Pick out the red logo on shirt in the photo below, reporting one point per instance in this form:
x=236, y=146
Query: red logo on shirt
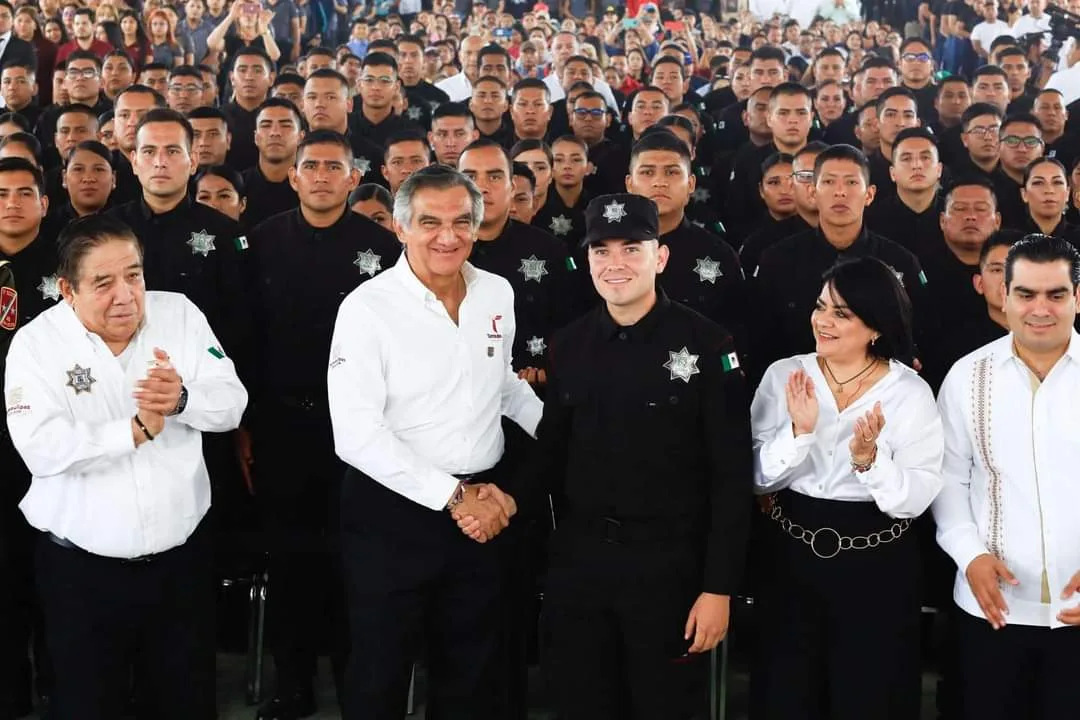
x=9, y=308
x=495, y=334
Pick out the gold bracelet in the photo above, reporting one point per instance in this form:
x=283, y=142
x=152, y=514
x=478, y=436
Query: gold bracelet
x=859, y=467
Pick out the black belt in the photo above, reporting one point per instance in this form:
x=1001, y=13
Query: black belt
x=624, y=531
x=476, y=477
x=68, y=545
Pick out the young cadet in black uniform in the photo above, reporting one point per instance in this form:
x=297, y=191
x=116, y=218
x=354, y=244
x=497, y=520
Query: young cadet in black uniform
x=911, y=215
x=304, y=261
x=953, y=98
x=188, y=247
x=538, y=266
x=916, y=63
x=373, y=117
x=279, y=126
x=1064, y=147
x=646, y=436
x=563, y=214
x=774, y=230
x=788, y=279
x=327, y=104
x=251, y=76
x=702, y=271
x=968, y=218
x=131, y=105
x=897, y=111
x=28, y=286
x=791, y=111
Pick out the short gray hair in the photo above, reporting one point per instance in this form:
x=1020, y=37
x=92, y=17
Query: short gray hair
x=435, y=177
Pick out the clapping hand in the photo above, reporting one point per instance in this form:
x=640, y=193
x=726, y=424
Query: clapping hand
x=802, y=403
x=1070, y=617
x=484, y=512
x=159, y=392
x=867, y=429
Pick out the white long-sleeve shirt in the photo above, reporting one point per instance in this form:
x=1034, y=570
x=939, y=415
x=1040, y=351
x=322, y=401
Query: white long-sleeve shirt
x=69, y=409
x=416, y=398
x=1010, y=471
x=904, y=479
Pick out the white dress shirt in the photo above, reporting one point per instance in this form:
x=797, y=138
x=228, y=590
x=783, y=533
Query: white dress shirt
x=1067, y=82
x=1010, y=471
x=69, y=409
x=907, y=473
x=457, y=87
x=416, y=398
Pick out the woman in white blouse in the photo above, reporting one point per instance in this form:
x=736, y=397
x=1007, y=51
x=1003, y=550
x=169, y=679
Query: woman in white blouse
x=848, y=449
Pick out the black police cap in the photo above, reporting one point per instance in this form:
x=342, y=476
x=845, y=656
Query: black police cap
x=621, y=216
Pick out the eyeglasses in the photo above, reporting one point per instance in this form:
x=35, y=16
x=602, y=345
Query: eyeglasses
x=981, y=130
x=594, y=112
x=1014, y=141
x=383, y=80
x=187, y=89
x=75, y=73
x=916, y=57
x=803, y=176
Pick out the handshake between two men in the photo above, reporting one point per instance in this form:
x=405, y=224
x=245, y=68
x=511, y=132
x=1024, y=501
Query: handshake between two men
x=484, y=511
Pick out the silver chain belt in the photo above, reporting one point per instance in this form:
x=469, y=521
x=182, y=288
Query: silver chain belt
x=841, y=542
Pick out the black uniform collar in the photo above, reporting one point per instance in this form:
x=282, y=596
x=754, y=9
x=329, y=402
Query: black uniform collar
x=683, y=226
x=1060, y=230
x=308, y=229
x=861, y=246
x=148, y=214
x=643, y=328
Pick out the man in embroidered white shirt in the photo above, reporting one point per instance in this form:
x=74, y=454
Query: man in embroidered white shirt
x=419, y=378
x=108, y=393
x=1008, y=512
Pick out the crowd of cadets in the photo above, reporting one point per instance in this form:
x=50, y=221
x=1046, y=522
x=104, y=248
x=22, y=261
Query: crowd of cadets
x=720, y=129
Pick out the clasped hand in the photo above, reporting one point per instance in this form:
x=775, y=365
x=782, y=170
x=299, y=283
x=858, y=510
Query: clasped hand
x=484, y=511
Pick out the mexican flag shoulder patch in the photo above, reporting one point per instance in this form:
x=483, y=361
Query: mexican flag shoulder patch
x=216, y=352
x=730, y=362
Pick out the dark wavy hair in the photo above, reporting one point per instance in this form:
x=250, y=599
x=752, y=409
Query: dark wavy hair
x=873, y=293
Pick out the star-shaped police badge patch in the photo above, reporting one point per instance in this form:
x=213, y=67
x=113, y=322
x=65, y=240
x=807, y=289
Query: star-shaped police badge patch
x=201, y=243
x=368, y=262
x=533, y=268
x=50, y=287
x=708, y=269
x=701, y=195
x=682, y=365
x=614, y=211
x=414, y=114
x=536, y=346
x=560, y=225
x=361, y=164
x=79, y=379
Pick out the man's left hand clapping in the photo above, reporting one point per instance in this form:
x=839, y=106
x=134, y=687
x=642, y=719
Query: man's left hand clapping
x=159, y=392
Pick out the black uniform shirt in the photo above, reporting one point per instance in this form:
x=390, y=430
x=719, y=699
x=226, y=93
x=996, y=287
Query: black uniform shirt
x=770, y=231
x=539, y=269
x=264, y=198
x=880, y=177
x=611, y=161
x=300, y=275
x=565, y=223
x=788, y=282
x=951, y=294
x=1066, y=150
x=35, y=290
x=744, y=207
x=242, y=151
x=379, y=133
x=127, y=187
x=924, y=100
x=704, y=273
x=918, y=232
x=427, y=92
x=649, y=424
x=195, y=250
x=842, y=130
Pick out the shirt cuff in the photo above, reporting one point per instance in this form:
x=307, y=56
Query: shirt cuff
x=965, y=549
x=438, y=490
x=118, y=438
x=529, y=417
x=787, y=449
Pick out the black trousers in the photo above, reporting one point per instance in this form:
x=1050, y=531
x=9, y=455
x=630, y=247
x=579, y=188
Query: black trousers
x=107, y=619
x=18, y=611
x=297, y=494
x=838, y=638
x=1019, y=672
x=413, y=581
x=614, y=618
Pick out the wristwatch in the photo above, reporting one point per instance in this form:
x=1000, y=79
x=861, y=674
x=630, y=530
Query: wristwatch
x=181, y=403
x=457, y=497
